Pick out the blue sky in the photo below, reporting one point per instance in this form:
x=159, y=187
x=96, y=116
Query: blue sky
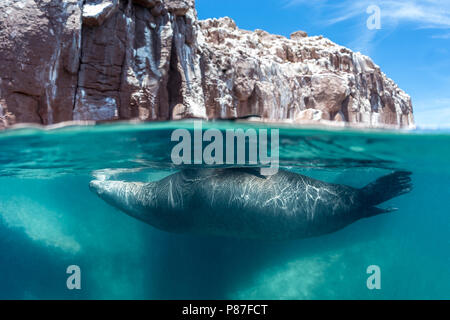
x=412, y=47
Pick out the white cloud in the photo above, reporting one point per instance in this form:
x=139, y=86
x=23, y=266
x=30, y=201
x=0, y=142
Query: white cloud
x=441, y=36
x=418, y=14
x=423, y=13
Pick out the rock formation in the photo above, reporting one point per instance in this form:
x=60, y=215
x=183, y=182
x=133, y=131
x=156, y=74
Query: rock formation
x=301, y=78
x=106, y=60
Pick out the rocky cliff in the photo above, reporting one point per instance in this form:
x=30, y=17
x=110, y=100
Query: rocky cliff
x=99, y=60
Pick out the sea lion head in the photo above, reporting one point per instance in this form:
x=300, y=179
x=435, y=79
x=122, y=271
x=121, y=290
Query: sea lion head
x=153, y=204
x=125, y=196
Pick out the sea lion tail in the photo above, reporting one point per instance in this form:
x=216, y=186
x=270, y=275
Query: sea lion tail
x=387, y=188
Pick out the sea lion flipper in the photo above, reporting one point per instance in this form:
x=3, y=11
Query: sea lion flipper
x=375, y=211
x=386, y=188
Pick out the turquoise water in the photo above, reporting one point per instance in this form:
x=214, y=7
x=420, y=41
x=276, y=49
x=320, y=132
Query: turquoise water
x=49, y=220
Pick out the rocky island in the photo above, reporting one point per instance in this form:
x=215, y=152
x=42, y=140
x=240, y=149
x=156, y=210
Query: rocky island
x=106, y=60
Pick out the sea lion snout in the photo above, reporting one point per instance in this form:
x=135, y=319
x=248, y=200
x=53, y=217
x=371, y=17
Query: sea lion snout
x=95, y=186
x=113, y=192
x=103, y=188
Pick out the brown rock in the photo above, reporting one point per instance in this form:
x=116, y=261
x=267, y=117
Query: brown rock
x=328, y=92
x=179, y=112
x=40, y=56
x=177, y=7
x=24, y=107
x=159, y=10
x=153, y=60
x=339, y=117
x=298, y=35
x=147, y=3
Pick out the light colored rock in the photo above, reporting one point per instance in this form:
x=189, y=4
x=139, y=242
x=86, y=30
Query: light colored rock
x=255, y=73
x=95, y=14
x=4, y=116
x=309, y=115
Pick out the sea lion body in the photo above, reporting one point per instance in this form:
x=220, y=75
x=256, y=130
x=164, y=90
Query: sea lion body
x=239, y=203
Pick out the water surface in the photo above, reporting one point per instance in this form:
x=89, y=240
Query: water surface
x=49, y=220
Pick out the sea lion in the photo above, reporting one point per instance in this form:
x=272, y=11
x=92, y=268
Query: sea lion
x=241, y=203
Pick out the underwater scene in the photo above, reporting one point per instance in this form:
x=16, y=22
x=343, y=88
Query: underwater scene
x=61, y=206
